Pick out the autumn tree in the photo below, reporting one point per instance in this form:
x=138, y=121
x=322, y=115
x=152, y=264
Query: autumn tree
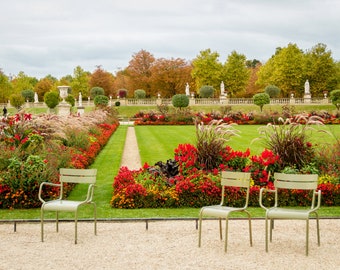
x=169, y=76
x=252, y=87
x=320, y=70
x=103, y=79
x=23, y=82
x=236, y=74
x=207, y=69
x=139, y=71
x=43, y=86
x=80, y=82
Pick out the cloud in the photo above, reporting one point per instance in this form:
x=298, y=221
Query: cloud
x=53, y=37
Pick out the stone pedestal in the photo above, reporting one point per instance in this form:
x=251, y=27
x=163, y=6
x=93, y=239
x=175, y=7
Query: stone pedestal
x=64, y=109
x=223, y=99
x=307, y=98
x=80, y=110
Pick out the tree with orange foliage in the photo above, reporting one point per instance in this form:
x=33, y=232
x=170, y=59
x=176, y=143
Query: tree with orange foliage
x=103, y=79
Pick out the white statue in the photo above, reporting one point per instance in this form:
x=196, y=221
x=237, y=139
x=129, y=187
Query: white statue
x=80, y=100
x=222, y=88
x=307, y=88
x=36, y=100
x=187, y=89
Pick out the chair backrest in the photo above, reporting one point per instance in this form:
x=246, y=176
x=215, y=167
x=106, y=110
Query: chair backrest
x=235, y=179
x=296, y=181
x=87, y=176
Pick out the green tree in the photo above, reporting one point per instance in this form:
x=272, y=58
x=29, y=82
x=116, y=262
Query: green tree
x=80, y=82
x=16, y=100
x=96, y=91
x=236, y=74
x=320, y=70
x=207, y=69
x=6, y=88
x=28, y=95
x=335, y=98
x=180, y=101
x=23, y=82
x=261, y=99
x=206, y=91
x=272, y=90
x=139, y=93
x=51, y=99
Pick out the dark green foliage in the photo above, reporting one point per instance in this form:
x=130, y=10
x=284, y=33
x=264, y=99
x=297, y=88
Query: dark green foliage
x=70, y=99
x=51, y=99
x=206, y=91
x=97, y=91
x=117, y=103
x=335, y=98
x=28, y=95
x=180, y=101
x=16, y=100
x=101, y=101
x=261, y=99
x=272, y=90
x=139, y=93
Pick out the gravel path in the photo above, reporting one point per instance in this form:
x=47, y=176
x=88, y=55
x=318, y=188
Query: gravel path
x=131, y=157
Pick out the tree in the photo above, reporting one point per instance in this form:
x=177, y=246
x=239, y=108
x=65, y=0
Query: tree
x=96, y=91
x=23, y=82
x=206, y=91
x=236, y=74
x=6, y=88
x=139, y=93
x=272, y=90
x=101, y=101
x=335, y=98
x=28, y=95
x=320, y=70
x=80, y=82
x=122, y=93
x=252, y=87
x=180, y=101
x=51, y=99
x=261, y=99
x=16, y=100
x=207, y=69
x=139, y=70
x=43, y=86
x=103, y=79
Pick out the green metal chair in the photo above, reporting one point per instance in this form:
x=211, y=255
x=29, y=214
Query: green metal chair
x=78, y=176
x=222, y=211
x=297, y=182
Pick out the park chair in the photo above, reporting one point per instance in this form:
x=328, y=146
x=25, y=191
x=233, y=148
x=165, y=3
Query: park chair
x=292, y=182
x=78, y=176
x=222, y=211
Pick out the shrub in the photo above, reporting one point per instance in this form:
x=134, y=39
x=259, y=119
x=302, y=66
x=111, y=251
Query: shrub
x=180, y=101
x=28, y=95
x=16, y=100
x=96, y=91
x=101, y=101
x=206, y=91
x=139, y=93
x=261, y=99
x=117, y=103
x=51, y=99
x=70, y=99
x=272, y=90
x=335, y=98
x=122, y=93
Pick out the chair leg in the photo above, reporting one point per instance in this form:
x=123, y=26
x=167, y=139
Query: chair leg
x=57, y=221
x=307, y=235
x=226, y=235
x=220, y=227
x=250, y=230
x=75, y=227
x=95, y=218
x=271, y=229
x=266, y=231
x=199, y=230
x=318, y=228
x=42, y=224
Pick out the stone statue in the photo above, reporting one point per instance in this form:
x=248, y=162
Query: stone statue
x=307, y=88
x=187, y=89
x=222, y=88
x=36, y=100
x=80, y=101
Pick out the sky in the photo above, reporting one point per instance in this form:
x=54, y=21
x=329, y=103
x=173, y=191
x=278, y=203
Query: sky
x=53, y=37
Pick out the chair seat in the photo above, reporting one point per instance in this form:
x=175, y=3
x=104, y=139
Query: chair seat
x=219, y=210
x=284, y=213
x=62, y=205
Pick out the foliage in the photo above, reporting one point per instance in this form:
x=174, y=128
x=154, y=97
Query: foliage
x=272, y=90
x=117, y=103
x=335, y=98
x=289, y=140
x=97, y=91
x=122, y=93
x=51, y=99
x=139, y=93
x=101, y=101
x=102, y=79
x=28, y=95
x=70, y=99
x=206, y=91
x=16, y=100
x=180, y=101
x=261, y=99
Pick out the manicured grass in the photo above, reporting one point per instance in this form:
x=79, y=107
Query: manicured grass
x=155, y=143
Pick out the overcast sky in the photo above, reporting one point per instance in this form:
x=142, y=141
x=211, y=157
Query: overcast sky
x=42, y=37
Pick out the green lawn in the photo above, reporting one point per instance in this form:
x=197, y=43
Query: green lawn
x=155, y=143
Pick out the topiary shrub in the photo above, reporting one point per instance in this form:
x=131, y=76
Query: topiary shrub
x=206, y=91
x=272, y=90
x=180, y=101
x=335, y=98
x=261, y=99
x=96, y=91
x=51, y=99
x=28, y=95
x=117, y=103
x=70, y=99
x=122, y=93
x=139, y=93
x=101, y=101
x=16, y=100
